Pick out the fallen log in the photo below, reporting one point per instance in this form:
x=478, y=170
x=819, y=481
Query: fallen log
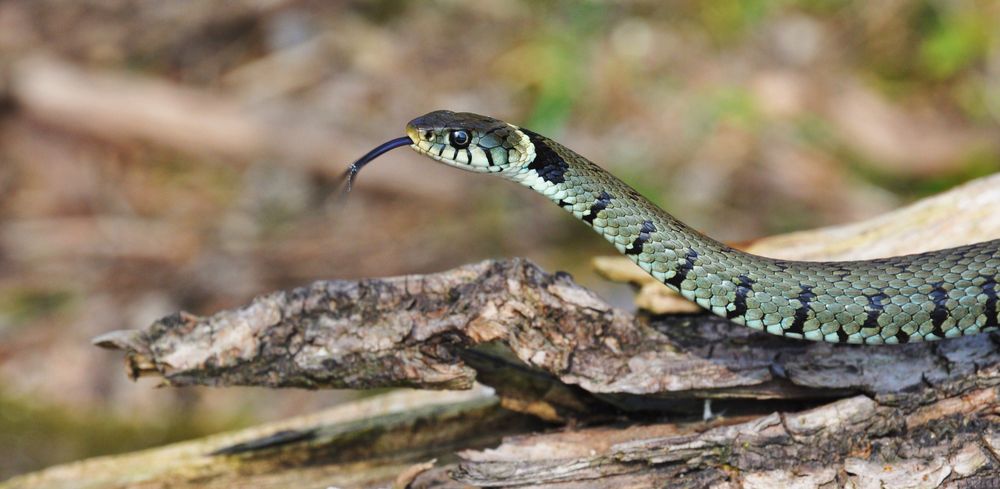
x=812, y=413
x=368, y=443
x=425, y=331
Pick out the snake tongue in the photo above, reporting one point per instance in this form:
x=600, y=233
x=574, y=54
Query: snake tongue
x=381, y=149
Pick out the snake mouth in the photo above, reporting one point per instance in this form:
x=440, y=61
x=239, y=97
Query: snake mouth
x=352, y=171
x=413, y=133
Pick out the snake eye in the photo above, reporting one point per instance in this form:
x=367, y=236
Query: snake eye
x=460, y=138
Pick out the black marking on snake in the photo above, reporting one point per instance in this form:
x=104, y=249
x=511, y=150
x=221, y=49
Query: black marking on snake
x=805, y=297
x=602, y=203
x=469, y=155
x=902, y=336
x=740, y=302
x=940, y=313
x=636, y=247
x=563, y=203
x=547, y=164
x=842, y=335
x=875, y=309
x=441, y=151
x=488, y=153
x=990, y=289
x=682, y=271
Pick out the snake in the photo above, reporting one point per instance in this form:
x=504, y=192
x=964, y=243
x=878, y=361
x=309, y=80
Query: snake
x=901, y=299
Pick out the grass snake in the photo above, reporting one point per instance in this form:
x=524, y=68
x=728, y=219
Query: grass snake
x=920, y=297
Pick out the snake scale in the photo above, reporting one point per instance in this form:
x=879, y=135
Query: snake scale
x=920, y=297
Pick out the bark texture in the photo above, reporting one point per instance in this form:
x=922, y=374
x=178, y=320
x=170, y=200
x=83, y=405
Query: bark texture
x=429, y=331
x=369, y=443
x=794, y=413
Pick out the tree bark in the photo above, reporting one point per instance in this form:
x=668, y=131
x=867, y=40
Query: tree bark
x=367, y=443
x=440, y=331
x=810, y=413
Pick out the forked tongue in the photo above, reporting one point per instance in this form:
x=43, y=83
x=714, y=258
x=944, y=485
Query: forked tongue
x=352, y=171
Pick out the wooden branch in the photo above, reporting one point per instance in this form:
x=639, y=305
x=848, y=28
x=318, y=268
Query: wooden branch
x=926, y=413
x=367, y=443
x=549, y=347
x=854, y=442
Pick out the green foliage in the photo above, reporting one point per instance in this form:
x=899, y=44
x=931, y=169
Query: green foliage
x=732, y=105
x=726, y=20
x=22, y=305
x=957, y=40
x=559, y=58
x=823, y=7
x=557, y=92
x=35, y=429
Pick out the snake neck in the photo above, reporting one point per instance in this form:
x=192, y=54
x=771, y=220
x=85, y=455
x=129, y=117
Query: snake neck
x=615, y=210
x=921, y=297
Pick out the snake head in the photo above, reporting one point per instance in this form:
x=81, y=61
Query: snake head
x=470, y=141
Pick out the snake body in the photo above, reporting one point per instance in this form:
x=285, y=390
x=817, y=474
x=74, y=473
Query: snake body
x=920, y=297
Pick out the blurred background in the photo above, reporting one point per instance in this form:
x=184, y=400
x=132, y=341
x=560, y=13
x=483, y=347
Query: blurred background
x=164, y=156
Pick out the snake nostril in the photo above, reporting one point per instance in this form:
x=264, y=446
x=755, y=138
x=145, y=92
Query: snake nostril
x=428, y=135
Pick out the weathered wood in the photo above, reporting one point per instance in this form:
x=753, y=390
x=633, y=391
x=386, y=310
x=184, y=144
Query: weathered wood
x=926, y=415
x=421, y=331
x=367, y=443
x=554, y=350
x=854, y=442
